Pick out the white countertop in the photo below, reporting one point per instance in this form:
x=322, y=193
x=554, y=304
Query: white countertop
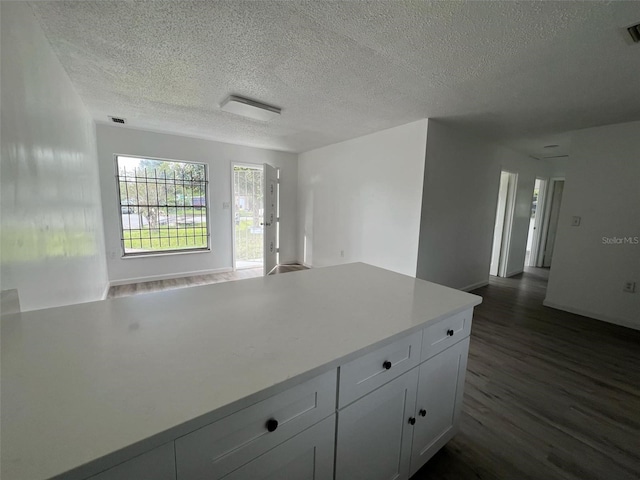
x=83, y=381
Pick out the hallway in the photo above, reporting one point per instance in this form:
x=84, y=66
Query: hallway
x=549, y=394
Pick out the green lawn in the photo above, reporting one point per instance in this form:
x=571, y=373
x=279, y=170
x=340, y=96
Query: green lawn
x=165, y=238
x=248, y=244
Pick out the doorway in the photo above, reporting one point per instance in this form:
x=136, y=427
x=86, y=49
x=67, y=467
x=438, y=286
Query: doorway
x=551, y=225
x=535, y=222
x=248, y=213
x=504, y=221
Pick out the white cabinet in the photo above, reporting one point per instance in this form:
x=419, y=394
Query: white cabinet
x=217, y=449
x=157, y=464
x=440, y=388
x=307, y=456
x=396, y=406
x=374, y=434
x=392, y=425
x=441, y=335
x=372, y=370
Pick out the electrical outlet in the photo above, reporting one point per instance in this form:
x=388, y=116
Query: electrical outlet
x=575, y=222
x=629, y=287
x=226, y=205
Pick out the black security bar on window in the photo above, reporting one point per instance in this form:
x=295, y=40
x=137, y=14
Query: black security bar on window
x=163, y=206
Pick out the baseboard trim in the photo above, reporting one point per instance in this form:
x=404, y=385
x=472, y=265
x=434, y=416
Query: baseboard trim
x=596, y=316
x=168, y=276
x=473, y=286
x=513, y=274
x=308, y=265
x=105, y=293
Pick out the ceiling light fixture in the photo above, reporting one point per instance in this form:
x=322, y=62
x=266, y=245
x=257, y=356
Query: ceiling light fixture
x=249, y=108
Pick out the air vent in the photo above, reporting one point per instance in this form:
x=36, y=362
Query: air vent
x=634, y=31
x=119, y=120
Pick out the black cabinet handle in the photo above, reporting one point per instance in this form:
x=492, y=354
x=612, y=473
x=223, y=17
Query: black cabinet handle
x=272, y=424
x=422, y=412
x=450, y=333
x=386, y=365
x=412, y=421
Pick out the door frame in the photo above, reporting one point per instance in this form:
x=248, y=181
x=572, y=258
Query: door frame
x=510, y=208
x=542, y=245
x=266, y=167
x=257, y=166
x=539, y=220
x=507, y=225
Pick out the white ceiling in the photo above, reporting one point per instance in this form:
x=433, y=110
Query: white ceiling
x=520, y=73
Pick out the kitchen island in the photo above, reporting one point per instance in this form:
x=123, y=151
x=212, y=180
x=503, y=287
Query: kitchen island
x=310, y=372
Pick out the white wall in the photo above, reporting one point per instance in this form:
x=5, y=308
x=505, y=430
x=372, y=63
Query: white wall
x=362, y=197
x=558, y=167
x=52, y=239
x=602, y=187
x=461, y=183
x=219, y=157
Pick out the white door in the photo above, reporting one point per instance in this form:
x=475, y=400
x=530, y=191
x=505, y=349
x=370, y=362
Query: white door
x=554, y=214
x=270, y=219
x=535, y=229
x=374, y=433
x=504, y=222
x=499, y=225
x=439, y=394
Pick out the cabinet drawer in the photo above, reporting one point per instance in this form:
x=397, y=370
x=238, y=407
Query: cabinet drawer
x=157, y=464
x=366, y=373
x=442, y=335
x=307, y=456
x=219, y=448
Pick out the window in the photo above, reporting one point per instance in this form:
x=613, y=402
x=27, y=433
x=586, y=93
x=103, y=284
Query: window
x=163, y=205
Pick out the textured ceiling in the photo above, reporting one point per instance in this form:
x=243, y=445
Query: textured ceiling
x=518, y=72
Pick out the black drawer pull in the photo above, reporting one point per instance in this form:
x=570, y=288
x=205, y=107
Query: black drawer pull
x=272, y=424
x=422, y=412
x=412, y=421
x=450, y=333
x=386, y=365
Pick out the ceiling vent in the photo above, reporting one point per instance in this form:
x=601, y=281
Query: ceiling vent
x=119, y=120
x=634, y=31
x=249, y=108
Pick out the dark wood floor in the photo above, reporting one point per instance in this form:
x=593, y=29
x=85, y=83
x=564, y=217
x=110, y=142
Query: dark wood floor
x=549, y=394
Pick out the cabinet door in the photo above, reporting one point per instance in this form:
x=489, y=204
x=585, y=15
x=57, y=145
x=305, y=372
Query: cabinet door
x=439, y=400
x=307, y=456
x=374, y=433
